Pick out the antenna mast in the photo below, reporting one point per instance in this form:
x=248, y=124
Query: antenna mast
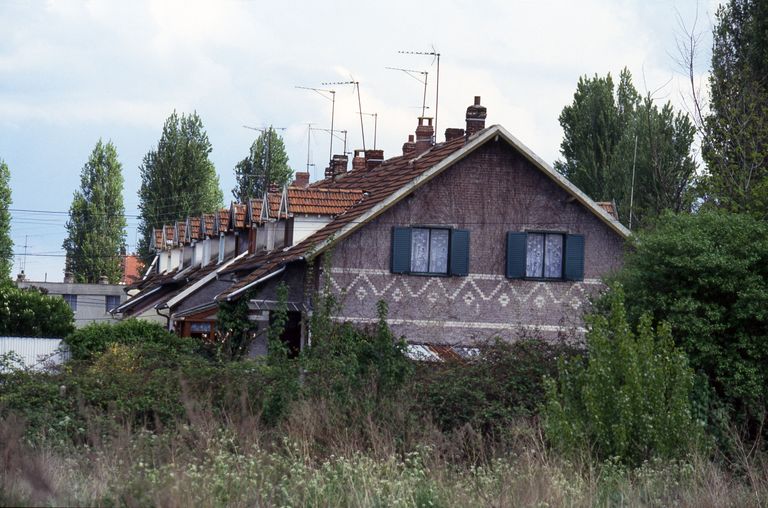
x=359, y=106
x=412, y=74
x=321, y=92
x=375, y=125
x=436, y=56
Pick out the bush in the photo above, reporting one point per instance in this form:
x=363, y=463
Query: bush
x=630, y=399
x=30, y=313
x=707, y=276
x=504, y=383
x=95, y=338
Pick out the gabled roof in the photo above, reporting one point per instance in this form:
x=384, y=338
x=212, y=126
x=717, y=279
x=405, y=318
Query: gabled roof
x=194, y=228
x=238, y=215
x=386, y=184
x=181, y=232
x=222, y=220
x=321, y=201
x=208, y=226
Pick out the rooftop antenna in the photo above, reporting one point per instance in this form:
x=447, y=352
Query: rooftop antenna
x=436, y=56
x=309, y=138
x=359, y=106
x=423, y=81
x=335, y=135
x=267, y=150
x=321, y=92
x=375, y=125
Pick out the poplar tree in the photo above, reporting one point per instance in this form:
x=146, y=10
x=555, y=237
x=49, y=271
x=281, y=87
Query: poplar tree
x=251, y=172
x=611, y=132
x=735, y=145
x=6, y=244
x=95, y=239
x=177, y=178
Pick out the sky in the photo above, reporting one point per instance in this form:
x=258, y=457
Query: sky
x=76, y=71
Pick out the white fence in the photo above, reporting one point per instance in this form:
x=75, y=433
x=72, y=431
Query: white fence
x=35, y=352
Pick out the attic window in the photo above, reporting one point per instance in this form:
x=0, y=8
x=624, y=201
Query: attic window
x=430, y=251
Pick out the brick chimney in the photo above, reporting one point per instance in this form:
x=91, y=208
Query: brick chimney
x=358, y=161
x=103, y=279
x=337, y=166
x=301, y=179
x=475, y=117
x=373, y=158
x=424, y=134
x=69, y=278
x=453, y=133
x=409, y=147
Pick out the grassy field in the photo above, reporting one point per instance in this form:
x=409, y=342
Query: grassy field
x=309, y=461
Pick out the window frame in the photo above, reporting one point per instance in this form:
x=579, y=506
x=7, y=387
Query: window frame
x=106, y=302
x=71, y=300
x=447, y=272
x=563, y=237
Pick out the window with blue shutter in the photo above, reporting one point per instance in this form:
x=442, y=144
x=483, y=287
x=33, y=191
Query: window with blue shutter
x=545, y=256
x=430, y=251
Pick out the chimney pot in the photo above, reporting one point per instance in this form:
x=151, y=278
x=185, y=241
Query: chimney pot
x=453, y=133
x=358, y=161
x=476, y=115
x=337, y=166
x=424, y=134
x=373, y=158
x=103, y=279
x=301, y=179
x=409, y=147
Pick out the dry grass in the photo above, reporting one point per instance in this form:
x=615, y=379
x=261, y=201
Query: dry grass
x=317, y=458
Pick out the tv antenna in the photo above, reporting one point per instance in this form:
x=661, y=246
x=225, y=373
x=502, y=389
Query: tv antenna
x=267, y=150
x=375, y=125
x=423, y=81
x=322, y=93
x=435, y=57
x=335, y=135
x=359, y=106
x=309, y=138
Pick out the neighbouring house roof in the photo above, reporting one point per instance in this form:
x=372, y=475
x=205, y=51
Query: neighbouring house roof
x=169, y=235
x=223, y=220
x=385, y=185
x=610, y=207
x=254, y=206
x=181, y=229
x=194, y=228
x=239, y=213
x=132, y=266
x=321, y=201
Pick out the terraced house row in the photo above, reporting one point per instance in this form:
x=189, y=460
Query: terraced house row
x=467, y=239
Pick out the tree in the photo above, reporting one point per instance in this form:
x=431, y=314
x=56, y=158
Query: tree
x=601, y=129
x=629, y=399
x=32, y=313
x=706, y=275
x=6, y=244
x=95, y=239
x=177, y=178
x=735, y=145
x=250, y=172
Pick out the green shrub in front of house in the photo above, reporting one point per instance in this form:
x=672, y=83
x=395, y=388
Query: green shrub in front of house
x=32, y=313
x=707, y=276
x=91, y=340
x=629, y=399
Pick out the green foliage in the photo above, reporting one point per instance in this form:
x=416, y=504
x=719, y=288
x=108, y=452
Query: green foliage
x=6, y=244
x=251, y=172
x=630, y=400
x=489, y=392
x=707, y=276
x=600, y=129
x=234, y=331
x=30, y=313
x=88, y=342
x=95, y=239
x=735, y=144
x=177, y=178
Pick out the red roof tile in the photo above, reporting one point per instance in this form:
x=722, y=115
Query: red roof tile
x=239, y=211
x=255, y=210
x=223, y=220
x=159, y=238
x=609, y=207
x=170, y=237
x=209, y=222
x=321, y=201
x=181, y=228
x=194, y=228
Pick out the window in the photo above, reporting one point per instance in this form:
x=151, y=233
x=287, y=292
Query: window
x=543, y=255
x=112, y=301
x=71, y=301
x=430, y=251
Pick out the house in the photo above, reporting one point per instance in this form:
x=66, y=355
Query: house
x=89, y=302
x=471, y=238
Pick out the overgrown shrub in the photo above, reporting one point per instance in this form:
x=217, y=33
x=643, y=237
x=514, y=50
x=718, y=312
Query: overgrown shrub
x=503, y=383
x=630, y=399
x=31, y=313
x=707, y=276
x=95, y=338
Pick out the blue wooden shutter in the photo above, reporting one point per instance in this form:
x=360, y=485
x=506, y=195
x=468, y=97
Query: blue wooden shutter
x=516, y=248
x=401, y=250
x=574, y=257
x=459, y=252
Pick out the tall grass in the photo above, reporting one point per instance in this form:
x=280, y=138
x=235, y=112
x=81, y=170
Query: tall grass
x=210, y=459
